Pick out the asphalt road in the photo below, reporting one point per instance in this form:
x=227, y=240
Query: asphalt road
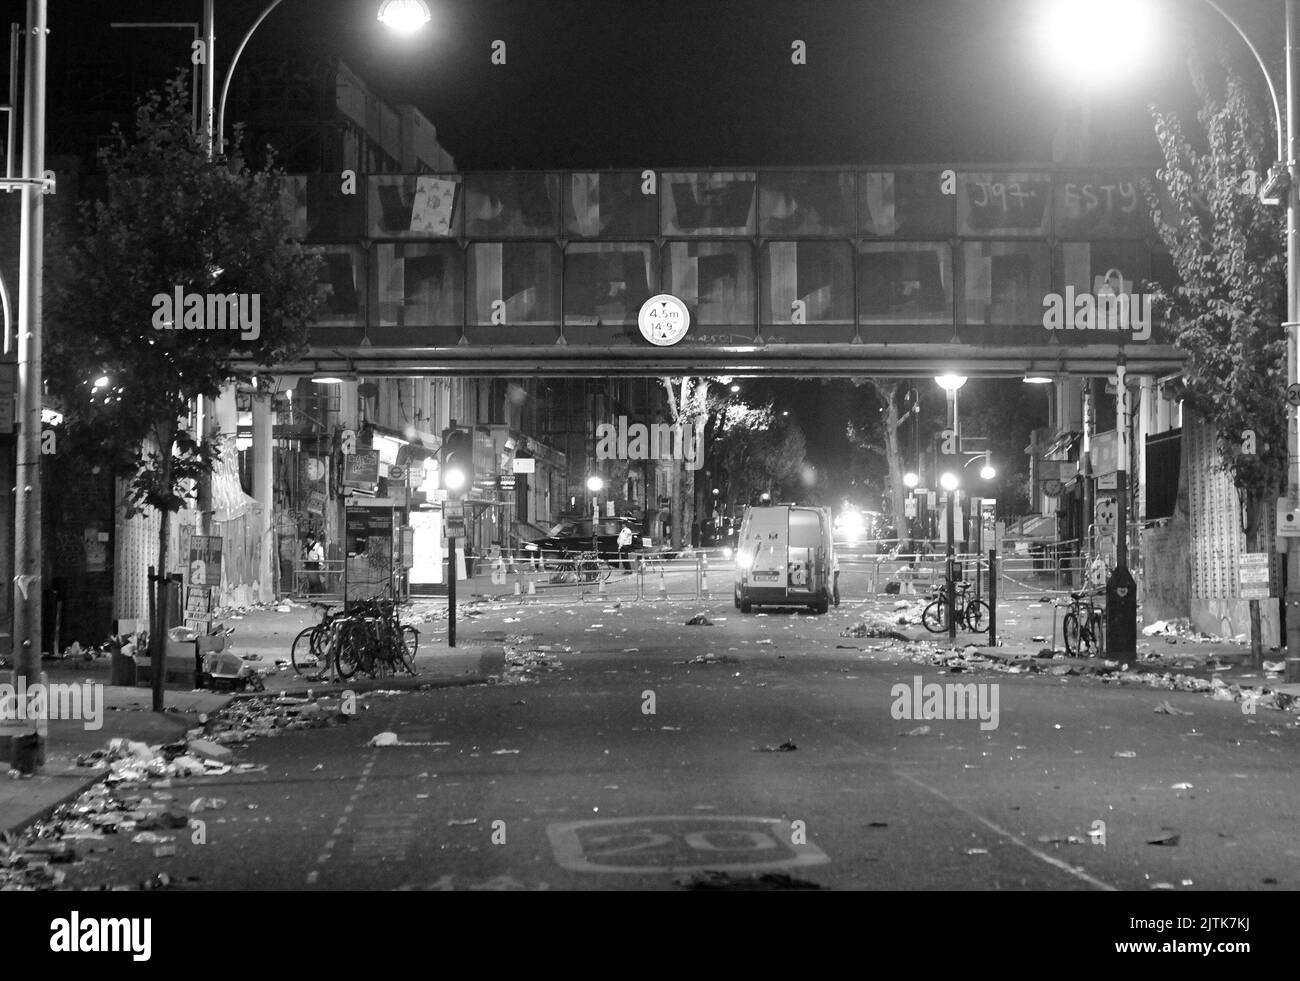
x=625, y=766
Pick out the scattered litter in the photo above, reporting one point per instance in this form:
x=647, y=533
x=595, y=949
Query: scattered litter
x=977, y=851
x=461, y=821
x=1181, y=786
x=1124, y=754
x=1164, y=708
x=1168, y=840
x=503, y=752
x=786, y=747
x=699, y=620
x=918, y=731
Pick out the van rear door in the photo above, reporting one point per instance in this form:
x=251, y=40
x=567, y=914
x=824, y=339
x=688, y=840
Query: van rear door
x=806, y=542
x=768, y=535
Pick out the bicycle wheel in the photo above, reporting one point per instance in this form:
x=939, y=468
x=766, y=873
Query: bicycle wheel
x=410, y=643
x=977, y=615
x=1089, y=645
x=1072, y=631
x=303, y=654
x=935, y=617
x=347, y=645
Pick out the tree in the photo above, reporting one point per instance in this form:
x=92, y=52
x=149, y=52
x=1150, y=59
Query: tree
x=126, y=368
x=688, y=406
x=758, y=452
x=1228, y=250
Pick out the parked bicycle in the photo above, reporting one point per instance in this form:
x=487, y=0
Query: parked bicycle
x=310, y=647
x=371, y=638
x=582, y=567
x=1084, y=626
x=970, y=611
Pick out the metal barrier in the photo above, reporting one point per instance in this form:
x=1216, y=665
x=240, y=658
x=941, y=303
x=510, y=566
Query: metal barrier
x=325, y=583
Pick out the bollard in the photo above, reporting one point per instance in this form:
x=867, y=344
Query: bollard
x=704, y=576
x=517, y=590
x=532, y=586
x=993, y=597
x=640, y=577
x=663, y=586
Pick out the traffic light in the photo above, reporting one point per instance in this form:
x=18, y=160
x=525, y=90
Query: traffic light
x=456, y=460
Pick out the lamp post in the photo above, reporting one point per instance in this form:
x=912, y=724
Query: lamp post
x=594, y=486
x=949, y=482
x=28, y=751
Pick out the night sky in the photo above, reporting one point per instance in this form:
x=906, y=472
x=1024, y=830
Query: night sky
x=591, y=84
x=666, y=83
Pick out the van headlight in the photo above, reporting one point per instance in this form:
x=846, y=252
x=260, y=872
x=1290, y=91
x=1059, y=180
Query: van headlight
x=744, y=558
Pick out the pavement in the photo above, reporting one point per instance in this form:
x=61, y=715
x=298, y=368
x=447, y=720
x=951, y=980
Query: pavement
x=265, y=635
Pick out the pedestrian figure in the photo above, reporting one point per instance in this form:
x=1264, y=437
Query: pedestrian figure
x=315, y=561
x=625, y=548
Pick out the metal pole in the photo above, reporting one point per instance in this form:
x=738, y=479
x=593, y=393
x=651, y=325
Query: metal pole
x=1291, y=614
x=451, y=591
x=993, y=597
x=952, y=578
x=29, y=753
x=1121, y=590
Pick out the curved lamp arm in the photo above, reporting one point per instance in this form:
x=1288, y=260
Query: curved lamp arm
x=1268, y=78
x=225, y=84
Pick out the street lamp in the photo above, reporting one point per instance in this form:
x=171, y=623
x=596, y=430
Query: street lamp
x=400, y=16
x=404, y=16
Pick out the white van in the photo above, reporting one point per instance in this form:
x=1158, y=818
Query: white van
x=785, y=556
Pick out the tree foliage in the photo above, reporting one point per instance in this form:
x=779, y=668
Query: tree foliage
x=171, y=218
x=1228, y=251
x=758, y=451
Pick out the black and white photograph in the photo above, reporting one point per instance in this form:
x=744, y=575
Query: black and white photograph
x=649, y=447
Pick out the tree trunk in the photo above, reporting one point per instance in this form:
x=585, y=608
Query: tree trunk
x=894, y=460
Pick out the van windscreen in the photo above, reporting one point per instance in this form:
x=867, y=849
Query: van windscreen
x=805, y=529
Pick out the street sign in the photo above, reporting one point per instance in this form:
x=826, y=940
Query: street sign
x=396, y=475
x=525, y=465
x=1293, y=393
x=361, y=470
x=1253, y=576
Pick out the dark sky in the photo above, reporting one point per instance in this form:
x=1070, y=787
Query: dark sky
x=664, y=83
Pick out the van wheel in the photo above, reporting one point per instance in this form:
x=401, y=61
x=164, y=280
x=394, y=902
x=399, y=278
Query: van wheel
x=746, y=606
x=821, y=606
x=835, y=598
x=735, y=598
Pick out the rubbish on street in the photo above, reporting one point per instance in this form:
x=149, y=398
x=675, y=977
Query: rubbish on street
x=1164, y=708
x=786, y=747
x=1169, y=840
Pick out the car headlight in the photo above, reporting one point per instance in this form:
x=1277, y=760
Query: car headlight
x=726, y=553
x=530, y=547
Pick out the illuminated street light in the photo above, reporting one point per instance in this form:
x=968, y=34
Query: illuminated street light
x=950, y=382
x=1036, y=380
x=404, y=16
x=910, y=480
x=453, y=479
x=1084, y=40
x=735, y=388
x=987, y=472
x=595, y=484
x=949, y=481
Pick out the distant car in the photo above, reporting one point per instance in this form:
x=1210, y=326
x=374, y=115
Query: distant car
x=574, y=535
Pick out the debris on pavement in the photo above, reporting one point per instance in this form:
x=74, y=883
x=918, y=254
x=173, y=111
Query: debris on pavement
x=918, y=731
x=699, y=620
x=786, y=747
x=1169, y=840
x=1164, y=708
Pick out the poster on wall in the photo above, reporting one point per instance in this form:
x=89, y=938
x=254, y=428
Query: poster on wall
x=205, y=561
x=369, y=552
